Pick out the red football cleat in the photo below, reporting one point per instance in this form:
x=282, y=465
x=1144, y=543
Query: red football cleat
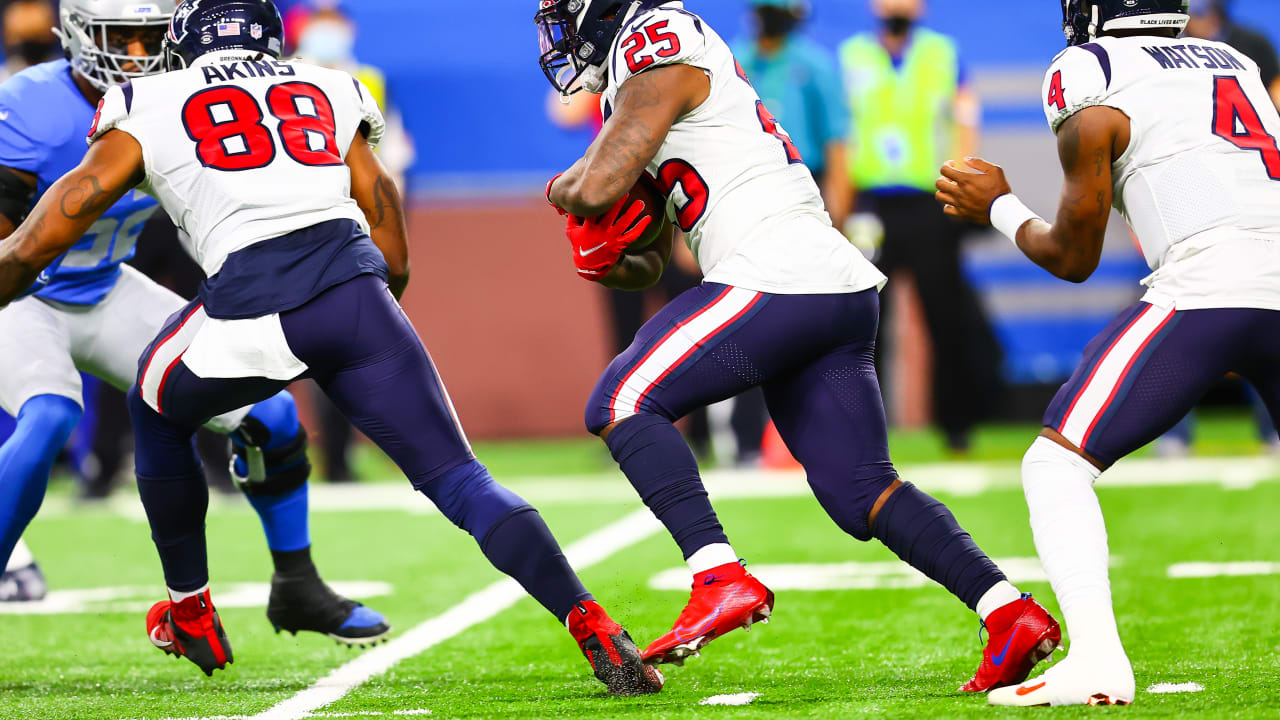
x=724, y=599
x=1020, y=635
x=611, y=652
x=190, y=629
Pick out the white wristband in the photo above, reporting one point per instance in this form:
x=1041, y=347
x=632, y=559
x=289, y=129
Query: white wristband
x=1009, y=214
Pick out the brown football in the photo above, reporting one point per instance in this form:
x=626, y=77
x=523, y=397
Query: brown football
x=655, y=206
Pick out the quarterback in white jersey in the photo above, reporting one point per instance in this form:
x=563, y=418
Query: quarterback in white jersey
x=1179, y=135
x=788, y=305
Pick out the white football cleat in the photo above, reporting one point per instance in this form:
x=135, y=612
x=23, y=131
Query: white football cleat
x=1073, y=681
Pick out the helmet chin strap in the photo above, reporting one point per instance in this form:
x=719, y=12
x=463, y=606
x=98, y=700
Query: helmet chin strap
x=593, y=79
x=1093, y=23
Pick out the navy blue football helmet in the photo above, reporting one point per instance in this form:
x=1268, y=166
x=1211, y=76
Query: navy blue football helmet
x=200, y=27
x=1084, y=20
x=575, y=37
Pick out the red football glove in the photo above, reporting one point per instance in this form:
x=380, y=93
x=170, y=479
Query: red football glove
x=559, y=209
x=598, y=242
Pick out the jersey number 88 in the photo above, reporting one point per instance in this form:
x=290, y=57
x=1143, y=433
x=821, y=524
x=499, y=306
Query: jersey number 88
x=226, y=125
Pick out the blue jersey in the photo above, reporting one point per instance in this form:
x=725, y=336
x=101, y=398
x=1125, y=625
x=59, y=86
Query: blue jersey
x=44, y=120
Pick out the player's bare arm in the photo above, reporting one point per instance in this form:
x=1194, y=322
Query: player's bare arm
x=375, y=192
x=112, y=167
x=642, y=270
x=648, y=104
x=1071, y=247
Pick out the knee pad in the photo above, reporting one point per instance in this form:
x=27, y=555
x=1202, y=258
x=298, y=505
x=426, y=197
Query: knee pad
x=269, y=449
x=849, y=500
x=50, y=420
x=471, y=499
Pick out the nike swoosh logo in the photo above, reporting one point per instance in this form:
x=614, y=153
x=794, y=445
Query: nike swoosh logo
x=1028, y=689
x=700, y=629
x=711, y=580
x=4, y=115
x=585, y=253
x=998, y=660
x=157, y=641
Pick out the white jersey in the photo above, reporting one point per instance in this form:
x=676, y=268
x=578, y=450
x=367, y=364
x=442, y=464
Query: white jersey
x=736, y=186
x=238, y=152
x=1200, y=181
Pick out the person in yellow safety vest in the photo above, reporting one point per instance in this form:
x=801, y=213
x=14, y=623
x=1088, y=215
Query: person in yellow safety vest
x=912, y=109
x=328, y=38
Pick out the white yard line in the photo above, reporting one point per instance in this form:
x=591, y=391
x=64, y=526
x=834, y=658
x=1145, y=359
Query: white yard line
x=954, y=478
x=592, y=549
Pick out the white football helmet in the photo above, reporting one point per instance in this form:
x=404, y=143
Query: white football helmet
x=84, y=38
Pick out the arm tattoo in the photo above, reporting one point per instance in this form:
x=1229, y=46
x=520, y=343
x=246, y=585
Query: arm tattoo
x=383, y=202
x=84, y=199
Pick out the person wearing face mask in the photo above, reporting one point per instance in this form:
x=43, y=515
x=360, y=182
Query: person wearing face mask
x=327, y=37
x=799, y=82
x=28, y=35
x=912, y=109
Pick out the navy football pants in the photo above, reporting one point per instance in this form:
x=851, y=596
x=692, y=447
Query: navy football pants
x=361, y=349
x=814, y=355
x=1151, y=366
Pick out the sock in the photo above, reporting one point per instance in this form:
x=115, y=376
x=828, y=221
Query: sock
x=20, y=557
x=522, y=546
x=174, y=494
x=924, y=533
x=1000, y=594
x=284, y=519
x=293, y=562
x=43, y=425
x=661, y=467
x=512, y=535
x=712, y=556
x=1071, y=539
x=180, y=595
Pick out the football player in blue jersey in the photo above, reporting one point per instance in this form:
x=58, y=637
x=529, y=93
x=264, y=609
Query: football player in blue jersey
x=89, y=312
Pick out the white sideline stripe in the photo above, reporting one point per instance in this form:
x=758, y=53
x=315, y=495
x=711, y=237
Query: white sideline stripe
x=477, y=608
x=1222, y=569
x=954, y=478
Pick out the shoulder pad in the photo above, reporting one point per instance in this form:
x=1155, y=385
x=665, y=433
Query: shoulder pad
x=372, y=122
x=113, y=109
x=1079, y=78
x=661, y=36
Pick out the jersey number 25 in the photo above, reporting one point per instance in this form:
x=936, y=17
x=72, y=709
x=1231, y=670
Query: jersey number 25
x=226, y=124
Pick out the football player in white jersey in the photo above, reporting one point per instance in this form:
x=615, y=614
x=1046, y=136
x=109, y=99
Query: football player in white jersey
x=268, y=168
x=1179, y=135
x=89, y=312
x=787, y=305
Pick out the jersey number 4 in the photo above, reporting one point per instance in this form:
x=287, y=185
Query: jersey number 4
x=1236, y=120
x=1057, y=96
x=226, y=124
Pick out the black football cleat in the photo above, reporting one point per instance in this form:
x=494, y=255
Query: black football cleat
x=611, y=652
x=190, y=629
x=26, y=584
x=304, y=602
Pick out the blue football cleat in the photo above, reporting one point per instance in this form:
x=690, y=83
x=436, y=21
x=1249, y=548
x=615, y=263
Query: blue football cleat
x=304, y=602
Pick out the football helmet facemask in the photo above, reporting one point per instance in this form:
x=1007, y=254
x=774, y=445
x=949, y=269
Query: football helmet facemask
x=575, y=36
x=1084, y=20
x=85, y=30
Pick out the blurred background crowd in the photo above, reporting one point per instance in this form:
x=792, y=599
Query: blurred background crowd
x=876, y=94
